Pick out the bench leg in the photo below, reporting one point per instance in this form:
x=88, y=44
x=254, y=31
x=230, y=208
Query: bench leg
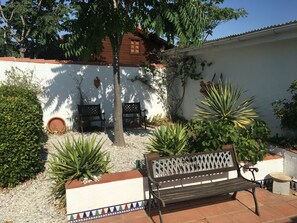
x=255, y=200
x=253, y=192
x=234, y=195
x=159, y=211
x=149, y=205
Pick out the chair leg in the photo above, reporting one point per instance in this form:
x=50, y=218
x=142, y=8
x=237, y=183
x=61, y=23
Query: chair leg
x=104, y=126
x=80, y=126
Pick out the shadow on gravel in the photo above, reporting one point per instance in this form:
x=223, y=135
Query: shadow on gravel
x=129, y=132
x=44, y=154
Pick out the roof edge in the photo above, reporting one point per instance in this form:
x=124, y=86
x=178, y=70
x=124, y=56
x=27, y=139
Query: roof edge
x=266, y=31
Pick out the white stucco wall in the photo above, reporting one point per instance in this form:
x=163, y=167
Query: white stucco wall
x=263, y=69
x=61, y=94
x=290, y=164
x=265, y=168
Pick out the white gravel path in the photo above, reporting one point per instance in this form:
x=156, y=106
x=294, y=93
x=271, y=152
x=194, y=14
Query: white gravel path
x=31, y=201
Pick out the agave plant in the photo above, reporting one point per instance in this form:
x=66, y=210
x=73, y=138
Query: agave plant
x=169, y=140
x=76, y=159
x=222, y=102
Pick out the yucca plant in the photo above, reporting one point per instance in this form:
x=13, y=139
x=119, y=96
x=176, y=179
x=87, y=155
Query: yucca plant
x=169, y=140
x=223, y=102
x=76, y=159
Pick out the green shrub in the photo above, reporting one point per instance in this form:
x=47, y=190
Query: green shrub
x=169, y=140
x=212, y=135
x=258, y=129
x=286, y=110
x=286, y=142
x=21, y=135
x=76, y=159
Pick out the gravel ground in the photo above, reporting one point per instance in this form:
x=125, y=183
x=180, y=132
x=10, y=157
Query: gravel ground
x=31, y=201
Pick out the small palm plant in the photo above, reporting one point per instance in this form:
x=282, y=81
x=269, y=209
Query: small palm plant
x=76, y=159
x=169, y=140
x=222, y=102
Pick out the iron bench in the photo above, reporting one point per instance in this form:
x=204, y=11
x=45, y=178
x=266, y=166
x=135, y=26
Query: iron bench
x=90, y=117
x=207, y=174
x=132, y=113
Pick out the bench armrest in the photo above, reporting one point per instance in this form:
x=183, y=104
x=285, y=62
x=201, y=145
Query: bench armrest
x=151, y=180
x=251, y=169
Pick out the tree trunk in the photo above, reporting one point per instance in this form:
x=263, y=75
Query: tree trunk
x=119, y=140
x=22, y=51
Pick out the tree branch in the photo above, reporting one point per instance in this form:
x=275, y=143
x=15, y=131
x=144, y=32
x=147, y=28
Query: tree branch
x=23, y=29
x=14, y=36
x=2, y=13
x=39, y=5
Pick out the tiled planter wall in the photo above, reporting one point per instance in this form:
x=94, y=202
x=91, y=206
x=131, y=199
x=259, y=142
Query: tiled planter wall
x=113, y=194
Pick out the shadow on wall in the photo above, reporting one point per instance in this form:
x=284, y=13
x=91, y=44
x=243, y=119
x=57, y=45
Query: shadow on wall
x=74, y=84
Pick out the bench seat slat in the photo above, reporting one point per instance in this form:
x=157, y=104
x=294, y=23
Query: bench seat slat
x=173, y=195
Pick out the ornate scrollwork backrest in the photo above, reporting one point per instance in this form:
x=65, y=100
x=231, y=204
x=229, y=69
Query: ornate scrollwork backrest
x=89, y=110
x=192, y=164
x=129, y=108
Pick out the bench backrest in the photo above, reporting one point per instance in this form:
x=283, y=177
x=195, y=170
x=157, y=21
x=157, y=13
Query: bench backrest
x=131, y=108
x=178, y=167
x=89, y=110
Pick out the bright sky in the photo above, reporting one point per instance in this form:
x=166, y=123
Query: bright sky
x=261, y=13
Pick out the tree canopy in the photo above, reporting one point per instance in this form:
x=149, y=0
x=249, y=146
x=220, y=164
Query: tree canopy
x=30, y=26
x=184, y=21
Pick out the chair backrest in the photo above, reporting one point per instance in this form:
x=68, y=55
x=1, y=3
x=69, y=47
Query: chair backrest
x=200, y=164
x=89, y=110
x=130, y=108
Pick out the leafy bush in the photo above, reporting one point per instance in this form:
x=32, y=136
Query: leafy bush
x=286, y=142
x=286, y=110
x=222, y=102
x=250, y=143
x=224, y=119
x=22, y=78
x=21, y=135
x=76, y=159
x=158, y=120
x=169, y=140
x=259, y=130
